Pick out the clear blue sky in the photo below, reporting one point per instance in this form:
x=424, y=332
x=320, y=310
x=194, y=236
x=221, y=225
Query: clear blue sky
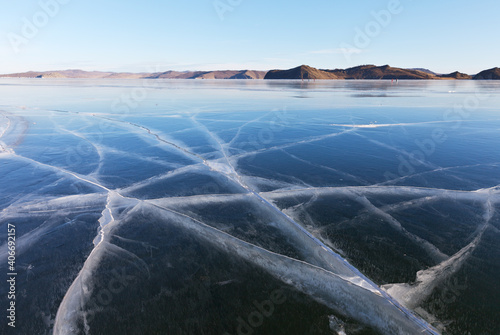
x=131, y=35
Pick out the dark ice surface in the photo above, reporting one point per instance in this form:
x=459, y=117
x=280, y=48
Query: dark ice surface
x=250, y=207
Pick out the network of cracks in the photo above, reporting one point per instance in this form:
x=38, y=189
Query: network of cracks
x=192, y=223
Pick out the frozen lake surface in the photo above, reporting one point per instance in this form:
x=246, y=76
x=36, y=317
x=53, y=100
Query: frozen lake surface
x=251, y=207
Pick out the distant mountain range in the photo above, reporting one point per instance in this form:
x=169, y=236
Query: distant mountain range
x=362, y=72
x=300, y=72
x=79, y=74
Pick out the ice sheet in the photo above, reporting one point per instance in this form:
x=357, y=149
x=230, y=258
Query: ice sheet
x=305, y=200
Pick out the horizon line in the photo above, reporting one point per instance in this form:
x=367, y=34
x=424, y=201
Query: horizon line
x=244, y=69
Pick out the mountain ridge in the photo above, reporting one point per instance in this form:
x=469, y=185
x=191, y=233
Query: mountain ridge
x=80, y=74
x=362, y=72
x=304, y=72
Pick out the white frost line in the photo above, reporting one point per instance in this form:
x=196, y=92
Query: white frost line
x=401, y=152
x=240, y=128
x=412, y=295
x=428, y=194
x=289, y=145
x=409, y=204
x=378, y=125
x=389, y=208
x=103, y=149
x=158, y=137
x=430, y=248
x=63, y=171
x=435, y=170
x=4, y=149
x=302, y=209
x=389, y=190
x=490, y=190
x=227, y=169
x=157, y=178
x=96, y=147
x=342, y=173
x=3, y=146
x=70, y=311
x=424, y=194
x=54, y=203
x=106, y=218
x=7, y=126
x=255, y=181
x=194, y=200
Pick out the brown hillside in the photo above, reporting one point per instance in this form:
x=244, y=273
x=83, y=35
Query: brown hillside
x=300, y=72
x=456, y=75
x=381, y=72
x=358, y=72
x=248, y=74
x=490, y=74
x=239, y=74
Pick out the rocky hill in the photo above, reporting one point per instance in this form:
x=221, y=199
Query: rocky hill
x=380, y=72
x=490, y=74
x=358, y=72
x=456, y=75
x=300, y=72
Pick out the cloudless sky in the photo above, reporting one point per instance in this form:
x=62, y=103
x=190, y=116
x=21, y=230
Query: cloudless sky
x=160, y=35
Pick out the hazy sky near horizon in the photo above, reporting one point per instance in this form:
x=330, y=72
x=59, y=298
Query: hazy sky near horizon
x=160, y=35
